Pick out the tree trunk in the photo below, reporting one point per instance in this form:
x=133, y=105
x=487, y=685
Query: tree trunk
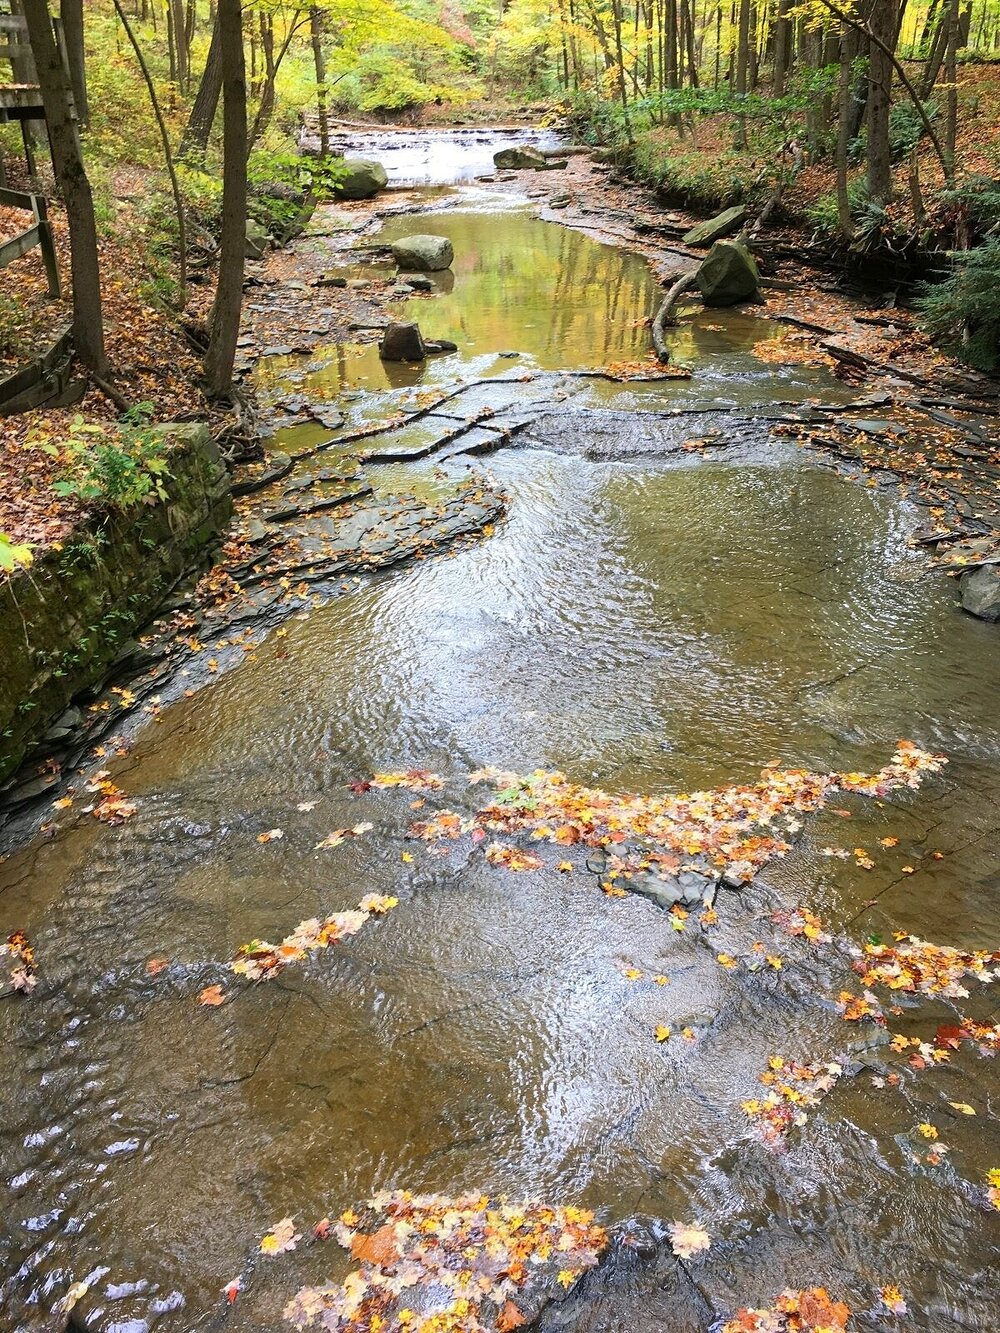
x=848, y=47
x=71, y=13
x=167, y=155
x=950, y=78
x=71, y=176
x=226, y=311
x=206, y=103
x=181, y=49
x=882, y=25
x=319, y=59
x=782, y=46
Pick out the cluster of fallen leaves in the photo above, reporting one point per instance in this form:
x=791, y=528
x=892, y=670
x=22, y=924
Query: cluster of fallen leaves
x=791, y=1087
x=114, y=807
x=260, y=961
x=23, y=969
x=912, y=965
x=644, y=370
x=789, y=349
x=735, y=830
x=811, y=1311
x=429, y=1264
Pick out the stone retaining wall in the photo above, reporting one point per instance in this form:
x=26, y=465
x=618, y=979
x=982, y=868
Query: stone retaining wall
x=64, y=620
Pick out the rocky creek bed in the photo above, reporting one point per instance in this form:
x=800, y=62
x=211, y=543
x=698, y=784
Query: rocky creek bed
x=538, y=552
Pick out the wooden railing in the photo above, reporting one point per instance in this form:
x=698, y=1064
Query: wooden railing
x=39, y=233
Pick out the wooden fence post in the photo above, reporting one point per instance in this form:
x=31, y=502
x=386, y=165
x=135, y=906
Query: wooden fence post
x=46, y=244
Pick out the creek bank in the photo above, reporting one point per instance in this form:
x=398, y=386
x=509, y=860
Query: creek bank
x=935, y=408
x=67, y=618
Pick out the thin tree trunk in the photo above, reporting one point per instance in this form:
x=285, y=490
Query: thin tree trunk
x=226, y=311
x=206, y=102
x=848, y=45
x=950, y=78
x=782, y=46
x=71, y=175
x=71, y=13
x=319, y=60
x=168, y=158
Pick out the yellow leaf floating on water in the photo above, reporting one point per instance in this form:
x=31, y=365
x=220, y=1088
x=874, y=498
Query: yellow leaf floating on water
x=963, y=1108
x=928, y=1131
x=892, y=1299
x=280, y=1238
x=662, y=1033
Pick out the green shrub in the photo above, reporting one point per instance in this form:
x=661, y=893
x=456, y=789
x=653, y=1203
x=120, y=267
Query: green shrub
x=962, y=312
x=116, y=469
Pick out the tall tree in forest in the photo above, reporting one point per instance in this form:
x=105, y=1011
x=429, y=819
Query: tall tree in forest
x=167, y=156
x=71, y=177
x=71, y=13
x=206, y=101
x=882, y=25
x=319, y=60
x=225, y=318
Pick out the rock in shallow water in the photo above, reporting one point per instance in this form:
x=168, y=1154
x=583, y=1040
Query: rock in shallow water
x=425, y=254
x=519, y=159
x=728, y=274
x=364, y=179
x=980, y=589
x=402, y=342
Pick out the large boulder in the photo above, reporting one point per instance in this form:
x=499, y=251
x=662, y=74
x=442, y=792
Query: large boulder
x=980, y=589
x=363, y=180
x=728, y=274
x=402, y=342
x=519, y=159
x=713, y=229
x=424, y=254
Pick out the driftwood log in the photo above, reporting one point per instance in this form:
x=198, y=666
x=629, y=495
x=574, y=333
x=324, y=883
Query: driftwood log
x=664, y=318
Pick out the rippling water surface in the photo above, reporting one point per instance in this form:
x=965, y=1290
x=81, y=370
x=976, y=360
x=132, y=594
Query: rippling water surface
x=642, y=627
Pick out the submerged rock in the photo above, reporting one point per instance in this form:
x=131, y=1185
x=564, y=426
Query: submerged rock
x=519, y=159
x=424, y=254
x=728, y=274
x=980, y=589
x=364, y=179
x=420, y=282
x=712, y=229
x=402, y=342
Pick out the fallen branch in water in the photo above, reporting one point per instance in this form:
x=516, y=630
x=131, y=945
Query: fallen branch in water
x=665, y=315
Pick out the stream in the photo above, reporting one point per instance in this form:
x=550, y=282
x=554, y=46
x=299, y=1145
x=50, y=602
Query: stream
x=642, y=623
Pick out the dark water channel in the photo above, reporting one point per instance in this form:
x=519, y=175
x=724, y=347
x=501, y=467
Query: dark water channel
x=644, y=626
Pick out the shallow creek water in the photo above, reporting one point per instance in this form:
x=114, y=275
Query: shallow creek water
x=644, y=627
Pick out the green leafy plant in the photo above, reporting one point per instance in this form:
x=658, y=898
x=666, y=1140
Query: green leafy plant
x=114, y=469
x=962, y=312
x=13, y=555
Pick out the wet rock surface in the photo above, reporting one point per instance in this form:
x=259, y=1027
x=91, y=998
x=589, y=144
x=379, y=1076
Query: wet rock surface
x=423, y=253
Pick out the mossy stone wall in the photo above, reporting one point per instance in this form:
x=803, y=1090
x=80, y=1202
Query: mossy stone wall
x=64, y=620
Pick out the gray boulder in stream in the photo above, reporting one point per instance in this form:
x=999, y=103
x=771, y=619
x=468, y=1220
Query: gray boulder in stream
x=520, y=159
x=423, y=254
x=363, y=180
x=728, y=274
x=402, y=342
x=980, y=589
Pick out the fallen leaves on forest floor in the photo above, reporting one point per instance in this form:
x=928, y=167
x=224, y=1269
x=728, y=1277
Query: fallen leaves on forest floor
x=23, y=970
x=260, y=961
x=811, y=1311
x=429, y=1264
